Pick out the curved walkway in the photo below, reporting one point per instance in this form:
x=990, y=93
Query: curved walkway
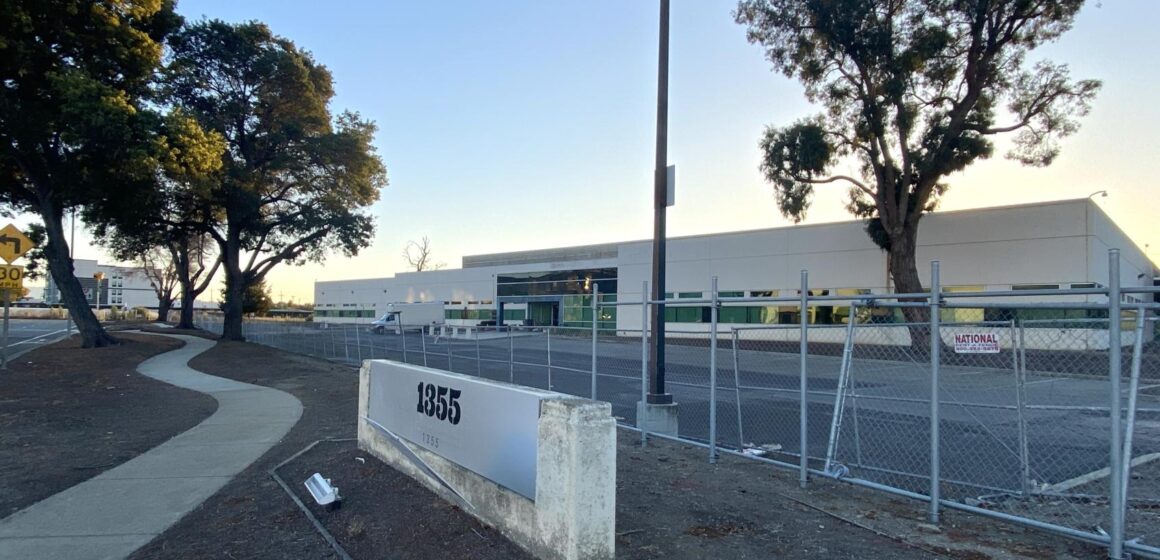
x=118, y=511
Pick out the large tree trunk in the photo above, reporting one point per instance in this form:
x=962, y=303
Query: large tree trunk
x=180, y=254
x=60, y=265
x=235, y=288
x=904, y=272
x=163, y=306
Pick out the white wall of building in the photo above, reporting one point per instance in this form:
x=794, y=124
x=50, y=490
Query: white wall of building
x=1059, y=243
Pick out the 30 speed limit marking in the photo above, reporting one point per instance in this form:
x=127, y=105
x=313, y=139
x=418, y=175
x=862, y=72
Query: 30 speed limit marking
x=11, y=277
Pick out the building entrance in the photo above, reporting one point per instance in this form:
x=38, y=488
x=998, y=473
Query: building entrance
x=543, y=313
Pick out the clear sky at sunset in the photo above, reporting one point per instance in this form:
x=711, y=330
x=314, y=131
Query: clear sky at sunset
x=512, y=125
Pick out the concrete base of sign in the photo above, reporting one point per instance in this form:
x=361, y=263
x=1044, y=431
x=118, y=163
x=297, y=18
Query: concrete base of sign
x=574, y=514
x=657, y=418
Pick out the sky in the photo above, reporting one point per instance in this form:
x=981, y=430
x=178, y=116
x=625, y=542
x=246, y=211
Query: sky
x=514, y=125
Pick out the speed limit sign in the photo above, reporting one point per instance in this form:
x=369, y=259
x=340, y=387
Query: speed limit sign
x=11, y=277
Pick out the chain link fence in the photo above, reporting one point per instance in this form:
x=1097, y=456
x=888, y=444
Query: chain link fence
x=1020, y=429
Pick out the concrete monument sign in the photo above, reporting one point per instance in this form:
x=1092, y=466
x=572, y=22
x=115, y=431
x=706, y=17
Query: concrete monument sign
x=538, y=466
x=488, y=428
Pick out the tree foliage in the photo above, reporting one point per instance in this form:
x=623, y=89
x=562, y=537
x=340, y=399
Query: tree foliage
x=76, y=128
x=912, y=91
x=294, y=182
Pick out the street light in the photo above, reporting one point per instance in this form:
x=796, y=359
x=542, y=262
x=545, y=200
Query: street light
x=98, y=277
x=1103, y=194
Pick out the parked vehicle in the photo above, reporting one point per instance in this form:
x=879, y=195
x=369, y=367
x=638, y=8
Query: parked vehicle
x=401, y=315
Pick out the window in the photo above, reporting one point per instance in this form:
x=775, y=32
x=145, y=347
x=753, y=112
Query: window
x=1085, y=285
x=952, y=315
x=689, y=295
x=763, y=293
x=731, y=294
x=1035, y=287
x=560, y=282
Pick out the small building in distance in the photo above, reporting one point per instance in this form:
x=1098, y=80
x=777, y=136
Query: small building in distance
x=125, y=287
x=1060, y=245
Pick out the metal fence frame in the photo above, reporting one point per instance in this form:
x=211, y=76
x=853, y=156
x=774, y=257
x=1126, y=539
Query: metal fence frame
x=481, y=352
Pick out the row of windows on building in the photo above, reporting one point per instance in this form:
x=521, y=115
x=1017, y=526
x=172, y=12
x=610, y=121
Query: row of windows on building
x=576, y=310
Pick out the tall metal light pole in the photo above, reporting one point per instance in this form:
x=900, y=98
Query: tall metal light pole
x=656, y=342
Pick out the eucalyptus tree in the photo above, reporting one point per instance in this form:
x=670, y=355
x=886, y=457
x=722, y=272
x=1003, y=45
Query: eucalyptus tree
x=912, y=91
x=295, y=181
x=77, y=131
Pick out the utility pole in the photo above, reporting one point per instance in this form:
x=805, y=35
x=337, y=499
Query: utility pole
x=656, y=343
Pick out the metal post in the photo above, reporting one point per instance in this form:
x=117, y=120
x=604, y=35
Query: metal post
x=358, y=343
x=804, y=319
x=1020, y=405
x=7, y=306
x=511, y=357
x=1116, y=536
x=478, y=357
x=840, y=390
x=737, y=391
x=549, y=329
x=644, y=349
x=595, y=312
x=423, y=341
x=450, y=364
x=403, y=336
x=935, y=349
x=1133, y=388
x=713, y=375
x=657, y=394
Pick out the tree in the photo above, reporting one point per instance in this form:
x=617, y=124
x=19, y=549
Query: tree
x=76, y=129
x=913, y=91
x=295, y=182
x=158, y=267
x=418, y=255
x=256, y=299
x=171, y=226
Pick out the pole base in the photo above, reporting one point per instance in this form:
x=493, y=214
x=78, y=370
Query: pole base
x=657, y=418
x=659, y=398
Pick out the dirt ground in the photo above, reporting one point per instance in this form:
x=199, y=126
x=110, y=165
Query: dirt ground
x=67, y=414
x=671, y=503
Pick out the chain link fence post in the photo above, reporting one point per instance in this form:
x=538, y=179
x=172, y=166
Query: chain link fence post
x=737, y=392
x=643, y=358
x=935, y=350
x=804, y=317
x=713, y=374
x=423, y=341
x=1116, y=536
x=595, y=313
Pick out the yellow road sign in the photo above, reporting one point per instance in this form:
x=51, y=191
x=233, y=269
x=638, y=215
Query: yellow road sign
x=11, y=277
x=13, y=243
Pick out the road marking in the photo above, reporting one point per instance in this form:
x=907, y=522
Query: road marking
x=1096, y=475
x=35, y=338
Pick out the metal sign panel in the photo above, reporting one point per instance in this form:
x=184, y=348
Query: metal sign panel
x=489, y=428
x=12, y=278
x=976, y=343
x=13, y=243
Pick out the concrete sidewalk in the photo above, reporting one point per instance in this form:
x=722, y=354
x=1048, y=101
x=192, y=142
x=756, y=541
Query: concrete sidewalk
x=118, y=511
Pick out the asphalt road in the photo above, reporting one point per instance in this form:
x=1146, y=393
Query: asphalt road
x=885, y=428
x=26, y=334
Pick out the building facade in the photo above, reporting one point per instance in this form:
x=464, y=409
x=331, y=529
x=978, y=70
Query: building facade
x=1053, y=245
x=123, y=287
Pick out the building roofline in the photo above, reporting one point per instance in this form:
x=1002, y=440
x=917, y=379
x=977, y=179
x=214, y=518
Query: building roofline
x=785, y=228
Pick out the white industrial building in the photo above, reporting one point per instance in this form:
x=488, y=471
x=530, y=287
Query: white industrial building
x=1046, y=245
x=125, y=287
